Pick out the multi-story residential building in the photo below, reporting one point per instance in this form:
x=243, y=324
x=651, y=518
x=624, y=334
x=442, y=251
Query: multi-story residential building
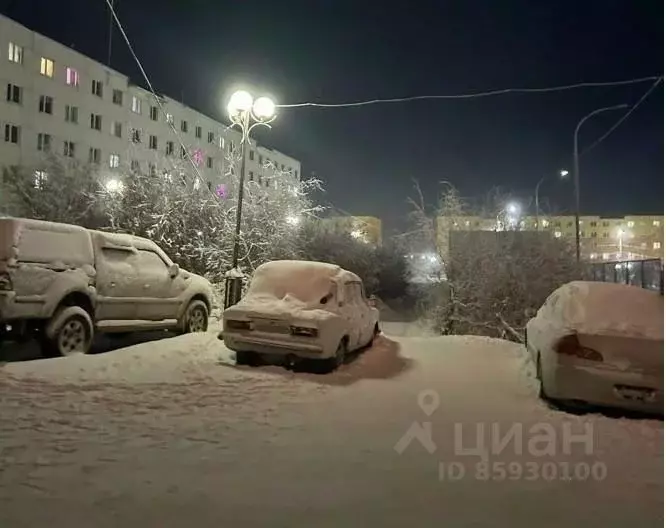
x=56, y=100
x=602, y=238
x=364, y=228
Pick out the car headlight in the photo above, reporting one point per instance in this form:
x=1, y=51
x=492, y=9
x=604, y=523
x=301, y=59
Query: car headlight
x=304, y=331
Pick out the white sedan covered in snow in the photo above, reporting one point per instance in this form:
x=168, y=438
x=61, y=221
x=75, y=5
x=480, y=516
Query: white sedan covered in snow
x=299, y=309
x=602, y=344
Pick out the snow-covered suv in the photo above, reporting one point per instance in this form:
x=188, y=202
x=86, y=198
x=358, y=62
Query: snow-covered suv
x=298, y=309
x=61, y=283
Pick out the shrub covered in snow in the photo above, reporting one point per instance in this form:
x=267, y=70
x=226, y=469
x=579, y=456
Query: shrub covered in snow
x=495, y=279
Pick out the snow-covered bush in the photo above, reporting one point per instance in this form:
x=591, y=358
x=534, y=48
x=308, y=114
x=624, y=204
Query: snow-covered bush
x=495, y=279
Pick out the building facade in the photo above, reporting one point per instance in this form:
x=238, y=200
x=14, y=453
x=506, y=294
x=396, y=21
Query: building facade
x=56, y=100
x=364, y=228
x=630, y=237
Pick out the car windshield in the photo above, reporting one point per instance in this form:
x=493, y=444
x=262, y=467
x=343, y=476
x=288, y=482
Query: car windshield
x=305, y=283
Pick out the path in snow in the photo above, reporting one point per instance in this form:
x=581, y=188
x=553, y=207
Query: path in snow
x=170, y=433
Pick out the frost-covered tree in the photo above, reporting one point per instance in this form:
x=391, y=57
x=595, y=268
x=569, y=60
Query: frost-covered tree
x=57, y=189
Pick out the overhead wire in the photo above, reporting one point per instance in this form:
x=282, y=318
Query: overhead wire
x=624, y=117
x=473, y=95
x=157, y=98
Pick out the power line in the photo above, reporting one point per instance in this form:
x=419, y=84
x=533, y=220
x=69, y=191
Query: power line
x=109, y=3
x=473, y=95
x=624, y=117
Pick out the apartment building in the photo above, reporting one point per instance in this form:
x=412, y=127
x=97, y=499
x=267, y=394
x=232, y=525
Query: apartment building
x=56, y=100
x=364, y=228
x=630, y=237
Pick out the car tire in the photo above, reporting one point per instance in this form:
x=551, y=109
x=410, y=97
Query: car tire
x=69, y=332
x=333, y=363
x=195, y=318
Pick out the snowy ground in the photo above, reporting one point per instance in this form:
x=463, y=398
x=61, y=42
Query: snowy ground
x=170, y=433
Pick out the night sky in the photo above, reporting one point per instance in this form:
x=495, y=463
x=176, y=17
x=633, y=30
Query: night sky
x=348, y=50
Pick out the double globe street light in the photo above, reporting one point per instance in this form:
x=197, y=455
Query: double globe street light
x=245, y=113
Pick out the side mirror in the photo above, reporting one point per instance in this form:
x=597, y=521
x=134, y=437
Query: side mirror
x=173, y=270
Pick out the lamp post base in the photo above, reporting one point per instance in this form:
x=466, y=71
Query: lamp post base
x=233, y=289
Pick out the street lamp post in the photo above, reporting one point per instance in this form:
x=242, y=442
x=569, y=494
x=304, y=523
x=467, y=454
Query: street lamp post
x=245, y=113
x=563, y=174
x=577, y=170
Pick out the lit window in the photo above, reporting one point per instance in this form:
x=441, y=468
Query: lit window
x=558, y=234
x=40, y=179
x=15, y=53
x=114, y=161
x=656, y=223
x=72, y=77
x=656, y=245
x=44, y=142
x=46, y=67
x=630, y=223
x=169, y=119
x=68, y=149
x=117, y=97
x=593, y=256
x=605, y=256
x=136, y=104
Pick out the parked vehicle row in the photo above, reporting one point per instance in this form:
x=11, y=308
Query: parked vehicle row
x=62, y=283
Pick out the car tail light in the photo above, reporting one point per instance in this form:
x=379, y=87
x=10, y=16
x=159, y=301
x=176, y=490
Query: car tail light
x=238, y=325
x=303, y=331
x=5, y=282
x=570, y=346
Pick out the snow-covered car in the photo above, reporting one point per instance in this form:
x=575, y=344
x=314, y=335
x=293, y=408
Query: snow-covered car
x=61, y=283
x=299, y=309
x=602, y=344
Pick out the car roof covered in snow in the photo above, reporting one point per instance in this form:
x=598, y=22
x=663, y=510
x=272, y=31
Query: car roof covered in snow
x=285, y=268
x=598, y=308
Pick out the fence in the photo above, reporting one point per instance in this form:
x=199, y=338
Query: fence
x=647, y=274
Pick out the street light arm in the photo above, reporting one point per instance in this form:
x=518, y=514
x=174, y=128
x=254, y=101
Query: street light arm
x=576, y=175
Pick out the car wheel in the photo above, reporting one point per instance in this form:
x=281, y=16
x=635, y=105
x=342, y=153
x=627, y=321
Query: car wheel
x=195, y=318
x=335, y=362
x=69, y=332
